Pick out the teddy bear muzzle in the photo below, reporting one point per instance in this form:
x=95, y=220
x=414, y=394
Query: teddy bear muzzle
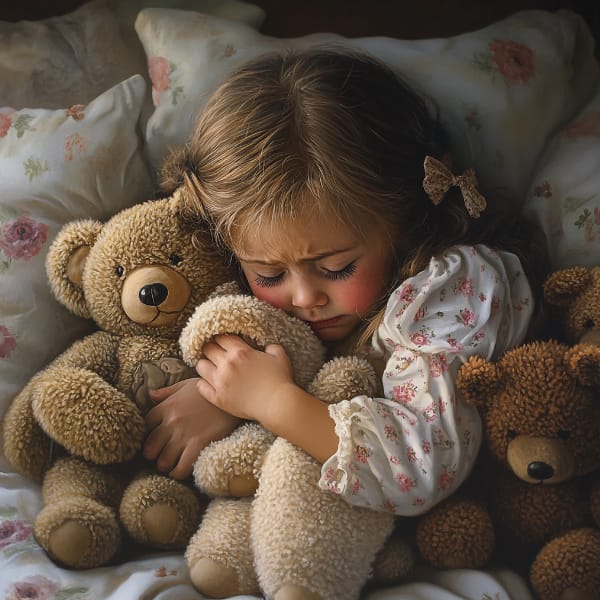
x=154, y=295
x=539, y=460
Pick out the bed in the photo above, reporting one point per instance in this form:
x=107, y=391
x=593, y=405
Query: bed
x=93, y=95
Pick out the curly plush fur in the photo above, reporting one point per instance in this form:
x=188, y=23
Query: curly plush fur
x=575, y=292
x=290, y=540
x=541, y=486
x=76, y=426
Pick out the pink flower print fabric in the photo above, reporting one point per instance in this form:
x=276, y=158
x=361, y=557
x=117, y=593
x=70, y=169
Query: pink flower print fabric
x=410, y=449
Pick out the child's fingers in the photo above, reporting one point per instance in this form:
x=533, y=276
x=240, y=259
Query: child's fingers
x=160, y=394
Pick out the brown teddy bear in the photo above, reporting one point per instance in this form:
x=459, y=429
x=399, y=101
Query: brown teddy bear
x=291, y=540
x=76, y=426
x=541, y=486
x=575, y=292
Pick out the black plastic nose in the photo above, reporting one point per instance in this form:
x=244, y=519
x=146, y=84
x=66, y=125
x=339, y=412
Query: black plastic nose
x=540, y=470
x=153, y=294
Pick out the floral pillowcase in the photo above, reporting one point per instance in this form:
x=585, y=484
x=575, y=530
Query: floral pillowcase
x=488, y=84
x=564, y=196
x=57, y=166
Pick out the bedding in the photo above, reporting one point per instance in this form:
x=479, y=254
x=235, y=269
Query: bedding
x=91, y=102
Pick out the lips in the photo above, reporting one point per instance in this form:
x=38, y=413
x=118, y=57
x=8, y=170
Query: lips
x=324, y=324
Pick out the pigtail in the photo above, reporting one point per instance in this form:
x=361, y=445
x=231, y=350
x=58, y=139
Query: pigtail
x=172, y=172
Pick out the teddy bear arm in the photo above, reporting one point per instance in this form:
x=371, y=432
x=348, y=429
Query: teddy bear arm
x=344, y=377
x=96, y=353
x=79, y=408
x=26, y=447
x=231, y=466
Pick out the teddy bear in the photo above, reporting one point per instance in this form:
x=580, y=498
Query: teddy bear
x=75, y=426
x=575, y=293
x=269, y=528
x=540, y=485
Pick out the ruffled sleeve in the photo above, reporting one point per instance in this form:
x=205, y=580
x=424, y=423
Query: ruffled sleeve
x=410, y=449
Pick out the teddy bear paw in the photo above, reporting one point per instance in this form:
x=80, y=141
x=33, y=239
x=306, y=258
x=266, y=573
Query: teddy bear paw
x=291, y=591
x=159, y=522
x=568, y=566
x=214, y=579
x=160, y=512
x=230, y=467
x=69, y=542
x=78, y=533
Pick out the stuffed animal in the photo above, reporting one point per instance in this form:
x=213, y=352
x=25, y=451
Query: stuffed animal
x=76, y=426
x=575, y=292
x=541, y=487
x=290, y=539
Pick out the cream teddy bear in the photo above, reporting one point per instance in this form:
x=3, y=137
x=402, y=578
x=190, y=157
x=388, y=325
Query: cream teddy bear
x=290, y=539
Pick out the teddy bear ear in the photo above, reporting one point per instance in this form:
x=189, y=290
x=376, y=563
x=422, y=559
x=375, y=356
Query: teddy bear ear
x=66, y=260
x=564, y=286
x=478, y=380
x=583, y=362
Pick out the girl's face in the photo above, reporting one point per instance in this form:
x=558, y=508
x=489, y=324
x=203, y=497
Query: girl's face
x=318, y=271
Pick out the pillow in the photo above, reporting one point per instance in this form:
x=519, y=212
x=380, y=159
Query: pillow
x=126, y=12
x=501, y=90
x=253, y=15
x=74, y=57
x=56, y=62
x=565, y=191
x=57, y=166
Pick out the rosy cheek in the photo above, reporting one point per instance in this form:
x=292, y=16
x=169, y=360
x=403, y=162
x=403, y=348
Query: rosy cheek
x=270, y=295
x=360, y=296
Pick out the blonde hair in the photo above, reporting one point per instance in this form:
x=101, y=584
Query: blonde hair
x=336, y=133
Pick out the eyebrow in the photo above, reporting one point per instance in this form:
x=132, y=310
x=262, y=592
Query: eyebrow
x=319, y=256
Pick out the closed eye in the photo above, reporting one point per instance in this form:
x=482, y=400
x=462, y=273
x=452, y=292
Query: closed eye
x=267, y=282
x=344, y=273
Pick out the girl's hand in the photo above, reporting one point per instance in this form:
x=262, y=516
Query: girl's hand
x=240, y=379
x=181, y=425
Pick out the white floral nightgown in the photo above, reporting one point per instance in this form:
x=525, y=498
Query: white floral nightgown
x=409, y=450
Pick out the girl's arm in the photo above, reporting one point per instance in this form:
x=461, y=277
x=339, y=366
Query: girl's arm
x=259, y=386
x=181, y=424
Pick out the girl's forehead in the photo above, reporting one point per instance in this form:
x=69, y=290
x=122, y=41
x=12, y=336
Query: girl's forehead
x=297, y=239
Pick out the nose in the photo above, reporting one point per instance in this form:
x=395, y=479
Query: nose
x=153, y=294
x=306, y=294
x=540, y=470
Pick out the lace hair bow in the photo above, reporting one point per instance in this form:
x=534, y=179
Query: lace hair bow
x=439, y=179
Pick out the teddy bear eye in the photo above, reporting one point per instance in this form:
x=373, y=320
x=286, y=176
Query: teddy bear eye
x=511, y=434
x=175, y=259
x=119, y=271
x=589, y=324
x=563, y=434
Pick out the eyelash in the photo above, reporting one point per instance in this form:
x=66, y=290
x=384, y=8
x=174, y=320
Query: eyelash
x=344, y=273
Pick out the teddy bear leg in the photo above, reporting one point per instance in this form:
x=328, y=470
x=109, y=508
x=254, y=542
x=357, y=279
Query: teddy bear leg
x=568, y=567
x=308, y=543
x=458, y=533
x=160, y=512
x=230, y=467
x=396, y=559
x=219, y=556
x=78, y=525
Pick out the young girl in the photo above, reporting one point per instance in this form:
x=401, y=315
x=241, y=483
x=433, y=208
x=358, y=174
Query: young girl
x=330, y=184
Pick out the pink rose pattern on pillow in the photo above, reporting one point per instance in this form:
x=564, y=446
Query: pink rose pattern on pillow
x=513, y=60
x=22, y=237
x=575, y=217
x=161, y=72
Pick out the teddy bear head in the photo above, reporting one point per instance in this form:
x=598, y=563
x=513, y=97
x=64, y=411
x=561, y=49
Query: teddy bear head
x=230, y=311
x=140, y=273
x=540, y=407
x=575, y=291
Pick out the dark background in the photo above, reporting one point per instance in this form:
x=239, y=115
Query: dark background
x=408, y=19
